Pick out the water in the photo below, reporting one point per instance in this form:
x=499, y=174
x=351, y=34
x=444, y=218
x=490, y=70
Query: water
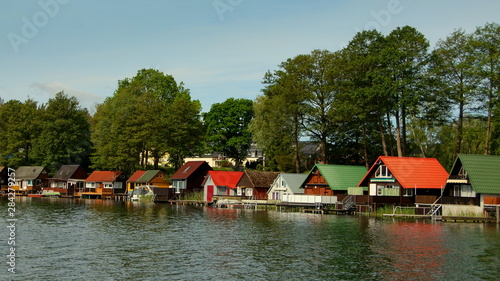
x=68, y=239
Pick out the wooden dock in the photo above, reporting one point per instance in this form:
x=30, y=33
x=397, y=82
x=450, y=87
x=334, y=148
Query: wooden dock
x=407, y=216
x=466, y=219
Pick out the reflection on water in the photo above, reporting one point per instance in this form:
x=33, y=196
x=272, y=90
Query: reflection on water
x=94, y=239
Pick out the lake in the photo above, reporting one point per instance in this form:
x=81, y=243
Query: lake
x=84, y=239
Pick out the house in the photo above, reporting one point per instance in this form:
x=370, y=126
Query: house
x=68, y=179
x=255, y=184
x=189, y=178
x=221, y=184
x=333, y=180
x=154, y=178
x=31, y=179
x=404, y=180
x=103, y=184
x=473, y=184
x=4, y=178
x=286, y=184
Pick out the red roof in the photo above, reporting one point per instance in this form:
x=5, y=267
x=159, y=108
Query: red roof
x=187, y=169
x=411, y=172
x=103, y=176
x=225, y=178
x=136, y=176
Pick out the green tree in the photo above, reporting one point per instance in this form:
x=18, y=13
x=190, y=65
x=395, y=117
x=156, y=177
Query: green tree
x=362, y=103
x=486, y=42
x=455, y=68
x=184, y=127
x=65, y=133
x=227, y=128
x=405, y=56
x=20, y=128
x=132, y=125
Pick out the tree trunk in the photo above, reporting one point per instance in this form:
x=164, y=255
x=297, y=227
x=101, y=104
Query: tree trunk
x=398, y=135
x=323, y=150
x=382, y=136
x=296, y=144
x=403, y=130
x=459, y=129
x=391, y=138
x=365, y=144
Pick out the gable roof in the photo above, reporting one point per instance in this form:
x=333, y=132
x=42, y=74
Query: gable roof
x=411, y=172
x=188, y=169
x=294, y=181
x=136, y=176
x=103, y=176
x=65, y=172
x=148, y=175
x=262, y=179
x=29, y=172
x=483, y=171
x=340, y=177
x=225, y=178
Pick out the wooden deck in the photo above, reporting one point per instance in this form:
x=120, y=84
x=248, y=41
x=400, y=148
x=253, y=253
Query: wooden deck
x=466, y=219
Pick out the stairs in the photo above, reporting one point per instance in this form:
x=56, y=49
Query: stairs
x=349, y=202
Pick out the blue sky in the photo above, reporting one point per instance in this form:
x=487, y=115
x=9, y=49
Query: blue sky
x=218, y=48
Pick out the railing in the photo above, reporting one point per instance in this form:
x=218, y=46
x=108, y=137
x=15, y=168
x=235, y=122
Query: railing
x=309, y=199
x=349, y=202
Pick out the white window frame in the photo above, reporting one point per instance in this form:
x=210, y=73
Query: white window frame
x=383, y=172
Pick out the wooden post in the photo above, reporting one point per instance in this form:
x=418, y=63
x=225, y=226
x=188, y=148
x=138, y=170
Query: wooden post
x=498, y=213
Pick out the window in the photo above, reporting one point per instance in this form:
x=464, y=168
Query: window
x=90, y=184
x=408, y=192
x=383, y=172
x=467, y=191
x=239, y=191
x=107, y=184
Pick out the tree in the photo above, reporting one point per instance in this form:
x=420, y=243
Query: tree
x=227, y=128
x=454, y=67
x=65, y=133
x=486, y=42
x=362, y=100
x=132, y=125
x=405, y=57
x=184, y=127
x=20, y=128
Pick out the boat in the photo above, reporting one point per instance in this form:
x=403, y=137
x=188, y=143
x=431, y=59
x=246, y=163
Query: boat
x=36, y=195
x=142, y=192
x=51, y=193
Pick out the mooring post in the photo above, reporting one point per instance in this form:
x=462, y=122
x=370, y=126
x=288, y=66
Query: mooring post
x=498, y=213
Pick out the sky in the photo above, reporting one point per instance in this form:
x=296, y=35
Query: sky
x=219, y=49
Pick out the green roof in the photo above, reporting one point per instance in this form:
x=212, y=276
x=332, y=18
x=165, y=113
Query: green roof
x=294, y=181
x=340, y=177
x=483, y=171
x=148, y=176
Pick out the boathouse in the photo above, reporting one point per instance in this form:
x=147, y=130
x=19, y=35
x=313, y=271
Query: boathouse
x=404, y=180
x=68, y=179
x=473, y=185
x=254, y=185
x=104, y=184
x=4, y=178
x=286, y=184
x=31, y=179
x=222, y=185
x=189, y=178
x=154, y=178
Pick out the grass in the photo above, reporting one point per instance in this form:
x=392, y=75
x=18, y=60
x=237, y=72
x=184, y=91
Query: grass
x=388, y=209
x=194, y=196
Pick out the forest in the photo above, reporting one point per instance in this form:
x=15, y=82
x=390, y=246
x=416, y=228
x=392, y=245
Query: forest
x=379, y=95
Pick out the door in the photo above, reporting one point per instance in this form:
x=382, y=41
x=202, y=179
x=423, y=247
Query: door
x=210, y=192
